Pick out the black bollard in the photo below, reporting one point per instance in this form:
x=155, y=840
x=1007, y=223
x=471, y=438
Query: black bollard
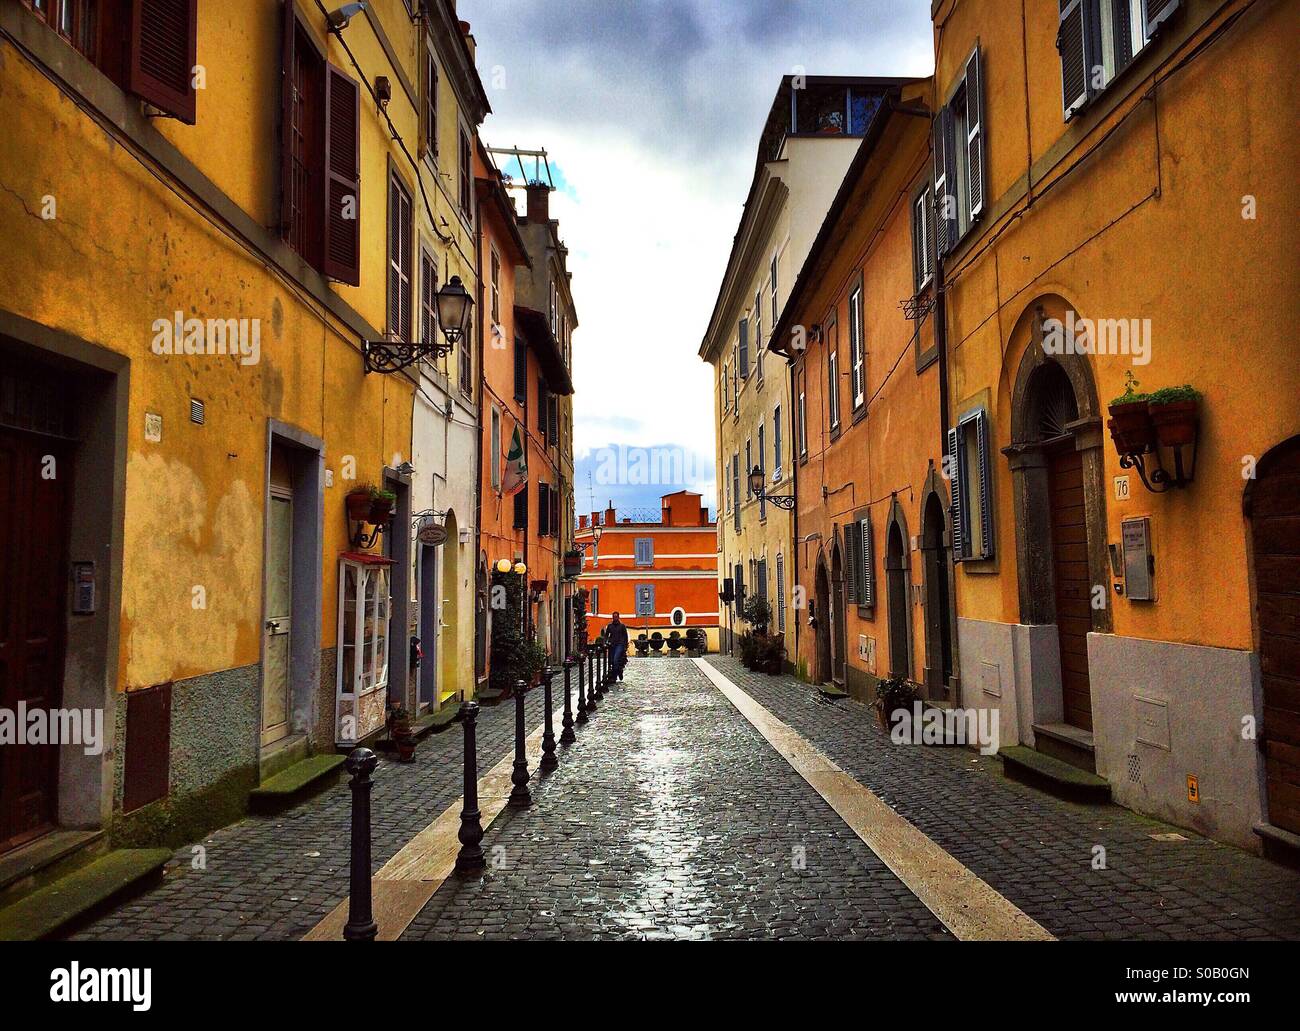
x=602, y=667
x=567, y=736
x=593, y=677
x=470, y=857
x=361, y=925
x=582, y=694
x=549, y=762
x=520, y=796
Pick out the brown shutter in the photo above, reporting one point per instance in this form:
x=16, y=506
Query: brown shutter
x=343, y=178
x=162, y=46
x=288, y=29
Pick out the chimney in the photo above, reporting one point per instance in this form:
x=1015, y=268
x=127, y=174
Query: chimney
x=469, y=40
x=539, y=203
x=595, y=518
x=610, y=517
x=582, y=522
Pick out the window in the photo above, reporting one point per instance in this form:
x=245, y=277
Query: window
x=1098, y=39
x=521, y=370
x=735, y=490
x=758, y=334
x=399, y=259
x=857, y=349
x=761, y=578
x=428, y=290
x=749, y=465
x=543, y=510
x=969, y=467
x=595, y=601
x=466, y=178
x=465, y=357
x=521, y=508
x=430, y=106
x=742, y=369
x=959, y=157
x=803, y=425
x=554, y=308
x=776, y=443
x=922, y=239
x=542, y=405
x=553, y=419
x=833, y=379
x=866, y=564
x=776, y=313
x=496, y=447
x=496, y=287
x=645, y=551
x=780, y=593
x=726, y=397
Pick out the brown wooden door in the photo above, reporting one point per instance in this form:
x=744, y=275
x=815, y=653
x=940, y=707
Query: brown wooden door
x=33, y=523
x=1071, y=581
x=1275, y=533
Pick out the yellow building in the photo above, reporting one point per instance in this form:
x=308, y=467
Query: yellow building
x=1115, y=199
x=208, y=216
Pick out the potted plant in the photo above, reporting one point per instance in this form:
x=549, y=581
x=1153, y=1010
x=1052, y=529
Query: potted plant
x=771, y=655
x=757, y=614
x=534, y=661
x=674, y=643
x=358, y=502
x=642, y=644
x=1130, y=421
x=657, y=641
x=1174, y=413
x=381, y=504
x=400, y=730
x=893, y=693
x=749, y=651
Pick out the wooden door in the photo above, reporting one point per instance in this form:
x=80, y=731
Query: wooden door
x=1073, y=591
x=1275, y=537
x=34, y=474
x=277, y=625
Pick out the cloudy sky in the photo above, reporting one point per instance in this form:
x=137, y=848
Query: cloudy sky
x=650, y=111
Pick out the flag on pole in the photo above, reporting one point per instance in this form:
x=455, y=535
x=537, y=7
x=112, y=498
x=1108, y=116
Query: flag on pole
x=516, y=471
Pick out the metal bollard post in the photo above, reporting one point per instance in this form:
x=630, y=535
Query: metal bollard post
x=361, y=924
x=567, y=736
x=602, y=663
x=593, y=678
x=549, y=762
x=520, y=796
x=582, y=691
x=470, y=857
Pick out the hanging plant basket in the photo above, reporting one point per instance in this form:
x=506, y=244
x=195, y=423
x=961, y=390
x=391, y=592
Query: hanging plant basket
x=1131, y=427
x=381, y=507
x=1175, y=412
x=358, y=502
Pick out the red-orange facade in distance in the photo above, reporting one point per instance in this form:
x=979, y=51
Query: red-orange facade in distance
x=657, y=576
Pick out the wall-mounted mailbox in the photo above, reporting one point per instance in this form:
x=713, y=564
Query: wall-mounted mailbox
x=1139, y=562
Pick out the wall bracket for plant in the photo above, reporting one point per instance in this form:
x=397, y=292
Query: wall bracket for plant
x=1157, y=479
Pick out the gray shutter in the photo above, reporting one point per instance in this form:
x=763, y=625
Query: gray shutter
x=986, y=486
x=852, y=549
x=920, y=222
x=1072, y=45
x=868, y=593
x=1156, y=12
x=744, y=349
x=780, y=593
x=974, y=141
x=940, y=186
x=1122, y=17
x=954, y=485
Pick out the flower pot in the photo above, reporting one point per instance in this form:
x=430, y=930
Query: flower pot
x=1131, y=428
x=358, y=503
x=881, y=718
x=1175, y=423
x=380, y=509
x=403, y=740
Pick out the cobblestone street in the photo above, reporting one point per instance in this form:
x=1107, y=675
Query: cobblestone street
x=673, y=817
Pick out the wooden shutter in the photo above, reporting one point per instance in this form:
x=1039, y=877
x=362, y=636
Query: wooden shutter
x=289, y=29
x=541, y=405
x=521, y=370
x=920, y=223
x=1122, y=18
x=1072, y=43
x=974, y=141
x=985, y=484
x=343, y=184
x=399, y=260
x=743, y=368
x=1156, y=12
x=162, y=48
x=945, y=180
x=521, y=508
x=555, y=512
x=543, y=509
x=955, y=486
x=867, y=591
x=852, y=551
x=554, y=414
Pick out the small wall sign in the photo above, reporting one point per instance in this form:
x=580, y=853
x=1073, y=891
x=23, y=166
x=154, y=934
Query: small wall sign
x=1121, y=488
x=83, y=588
x=1139, y=563
x=1193, y=789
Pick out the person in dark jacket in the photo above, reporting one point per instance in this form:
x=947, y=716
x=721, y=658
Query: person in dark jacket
x=616, y=635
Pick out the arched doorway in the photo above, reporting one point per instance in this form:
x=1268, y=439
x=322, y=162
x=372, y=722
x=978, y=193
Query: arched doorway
x=1272, y=503
x=1057, y=473
x=896, y=591
x=480, y=619
x=839, y=633
x=453, y=678
x=822, y=597
x=938, y=607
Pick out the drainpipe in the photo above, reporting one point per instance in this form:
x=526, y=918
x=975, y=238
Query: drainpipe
x=478, y=460
x=794, y=510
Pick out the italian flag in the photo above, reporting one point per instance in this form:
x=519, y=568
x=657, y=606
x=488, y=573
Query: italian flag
x=516, y=471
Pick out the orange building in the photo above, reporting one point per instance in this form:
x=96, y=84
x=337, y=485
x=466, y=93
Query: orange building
x=660, y=575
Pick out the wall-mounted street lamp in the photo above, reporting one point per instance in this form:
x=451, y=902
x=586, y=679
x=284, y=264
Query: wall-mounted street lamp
x=454, y=306
x=338, y=19
x=756, y=485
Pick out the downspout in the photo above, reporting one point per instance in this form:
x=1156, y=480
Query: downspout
x=478, y=461
x=794, y=510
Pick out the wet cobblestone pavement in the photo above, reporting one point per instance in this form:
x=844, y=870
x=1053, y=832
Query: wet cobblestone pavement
x=673, y=818
x=1037, y=850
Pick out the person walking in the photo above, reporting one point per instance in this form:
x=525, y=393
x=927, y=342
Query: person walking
x=616, y=634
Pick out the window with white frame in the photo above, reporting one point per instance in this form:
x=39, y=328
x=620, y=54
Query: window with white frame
x=969, y=466
x=959, y=157
x=923, y=238
x=833, y=381
x=776, y=311
x=762, y=468
x=857, y=349
x=1098, y=39
x=726, y=397
x=758, y=334
x=749, y=465
x=776, y=443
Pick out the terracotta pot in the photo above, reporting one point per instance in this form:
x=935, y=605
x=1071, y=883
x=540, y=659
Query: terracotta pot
x=1175, y=423
x=358, y=503
x=1131, y=428
x=379, y=510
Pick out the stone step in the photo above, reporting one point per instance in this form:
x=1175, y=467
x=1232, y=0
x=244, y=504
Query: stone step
x=1071, y=745
x=296, y=783
x=438, y=720
x=60, y=904
x=1053, y=775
